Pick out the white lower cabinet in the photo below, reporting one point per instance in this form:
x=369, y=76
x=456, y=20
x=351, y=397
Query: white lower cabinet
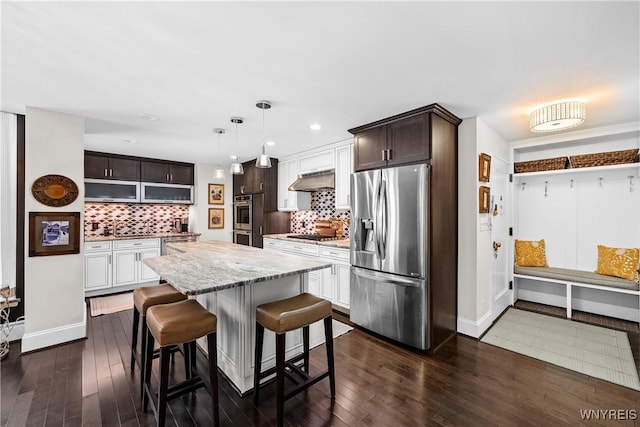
x=331, y=283
x=119, y=263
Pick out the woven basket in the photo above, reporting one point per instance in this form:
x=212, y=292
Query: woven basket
x=541, y=165
x=604, y=159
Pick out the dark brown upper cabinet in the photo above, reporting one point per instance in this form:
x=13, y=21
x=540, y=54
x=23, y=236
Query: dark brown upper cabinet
x=165, y=172
x=257, y=180
x=111, y=166
x=401, y=139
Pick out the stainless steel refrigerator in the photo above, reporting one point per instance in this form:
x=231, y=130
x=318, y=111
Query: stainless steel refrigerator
x=389, y=289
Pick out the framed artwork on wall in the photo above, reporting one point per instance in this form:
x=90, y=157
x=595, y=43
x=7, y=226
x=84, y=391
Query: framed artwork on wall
x=54, y=233
x=484, y=199
x=216, y=194
x=216, y=218
x=484, y=167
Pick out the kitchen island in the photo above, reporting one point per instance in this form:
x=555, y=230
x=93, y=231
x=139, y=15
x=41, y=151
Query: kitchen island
x=230, y=280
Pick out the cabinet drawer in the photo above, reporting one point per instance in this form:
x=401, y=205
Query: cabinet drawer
x=271, y=244
x=136, y=244
x=97, y=246
x=300, y=248
x=335, y=253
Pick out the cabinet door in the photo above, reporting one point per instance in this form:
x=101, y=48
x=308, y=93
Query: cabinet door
x=238, y=185
x=328, y=283
x=314, y=283
x=283, y=184
x=154, y=172
x=344, y=168
x=408, y=140
x=343, y=278
x=181, y=174
x=125, y=267
x=96, y=166
x=257, y=220
x=316, y=162
x=124, y=169
x=147, y=274
x=369, y=147
x=97, y=270
x=251, y=178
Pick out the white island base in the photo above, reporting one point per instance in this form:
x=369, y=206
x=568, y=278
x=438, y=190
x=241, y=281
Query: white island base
x=235, y=309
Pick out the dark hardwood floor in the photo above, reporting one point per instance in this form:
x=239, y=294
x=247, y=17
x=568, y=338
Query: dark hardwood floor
x=466, y=383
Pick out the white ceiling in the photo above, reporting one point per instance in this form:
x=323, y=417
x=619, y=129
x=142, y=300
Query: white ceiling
x=193, y=65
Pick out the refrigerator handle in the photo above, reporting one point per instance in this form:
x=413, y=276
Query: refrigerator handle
x=378, y=224
x=384, y=215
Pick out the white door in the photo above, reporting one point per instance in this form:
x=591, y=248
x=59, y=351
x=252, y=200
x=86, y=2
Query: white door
x=500, y=216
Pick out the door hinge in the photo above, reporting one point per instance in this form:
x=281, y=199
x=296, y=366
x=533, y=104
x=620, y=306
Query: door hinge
x=510, y=231
x=510, y=284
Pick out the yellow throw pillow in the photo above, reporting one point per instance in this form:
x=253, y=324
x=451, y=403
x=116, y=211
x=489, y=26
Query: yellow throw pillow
x=531, y=253
x=618, y=262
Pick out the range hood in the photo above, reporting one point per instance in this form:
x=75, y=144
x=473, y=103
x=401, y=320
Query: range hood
x=315, y=181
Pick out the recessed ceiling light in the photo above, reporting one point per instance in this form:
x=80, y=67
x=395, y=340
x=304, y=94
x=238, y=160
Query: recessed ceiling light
x=149, y=117
x=131, y=141
x=233, y=157
x=270, y=143
x=315, y=126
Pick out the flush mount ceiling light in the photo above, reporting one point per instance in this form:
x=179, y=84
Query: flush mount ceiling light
x=219, y=172
x=236, y=167
x=558, y=115
x=315, y=126
x=148, y=117
x=263, y=161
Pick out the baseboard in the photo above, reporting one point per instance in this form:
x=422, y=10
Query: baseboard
x=53, y=336
x=474, y=328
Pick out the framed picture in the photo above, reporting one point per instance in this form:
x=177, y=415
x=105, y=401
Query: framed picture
x=484, y=167
x=484, y=199
x=216, y=194
x=54, y=233
x=216, y=218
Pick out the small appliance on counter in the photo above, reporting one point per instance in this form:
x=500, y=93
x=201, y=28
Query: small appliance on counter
x=181, y=225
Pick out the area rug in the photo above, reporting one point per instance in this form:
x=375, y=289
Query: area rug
x=110, y=304
x=592, y=350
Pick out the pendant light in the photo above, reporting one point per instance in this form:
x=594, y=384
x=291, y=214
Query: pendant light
x=219, y=172
x=263, y=160
x=236, y=167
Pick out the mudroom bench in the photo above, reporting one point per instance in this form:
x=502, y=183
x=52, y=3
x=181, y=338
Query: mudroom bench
x=580, y=279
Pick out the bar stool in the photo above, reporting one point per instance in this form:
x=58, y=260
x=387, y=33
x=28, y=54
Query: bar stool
x=173, y=324
x=284, y=316
x=143, y=298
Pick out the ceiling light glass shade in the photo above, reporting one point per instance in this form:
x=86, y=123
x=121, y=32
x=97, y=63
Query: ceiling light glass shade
x=236, y=169
x=263, y=160
x=219, y=173
x=557, y=116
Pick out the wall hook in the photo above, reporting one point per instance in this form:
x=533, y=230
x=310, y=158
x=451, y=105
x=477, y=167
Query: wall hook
x=523, y=184
x=600, y=179
x=545, y=188
x=630, y=183
x=571, y=183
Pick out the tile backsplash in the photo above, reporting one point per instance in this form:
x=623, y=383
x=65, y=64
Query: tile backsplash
x=322, y=207
x=132, y=218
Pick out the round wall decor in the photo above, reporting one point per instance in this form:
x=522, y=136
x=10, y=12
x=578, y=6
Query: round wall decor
x=54, y=190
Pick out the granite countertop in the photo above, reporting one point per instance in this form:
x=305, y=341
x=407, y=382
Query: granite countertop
x=137, y=236
x=212, y=265
x=341, y=243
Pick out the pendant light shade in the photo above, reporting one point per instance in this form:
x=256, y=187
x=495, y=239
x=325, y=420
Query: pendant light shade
x=263, y=160
x=236, y=167
x=557, y=116
x=218, y=173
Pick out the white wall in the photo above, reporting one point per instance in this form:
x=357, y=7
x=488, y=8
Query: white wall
x=474, y=244
x=54, y=296
x=199, y=211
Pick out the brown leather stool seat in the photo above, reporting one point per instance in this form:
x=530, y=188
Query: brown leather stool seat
x=173, y=324
x=143, y=298
x=287, y=315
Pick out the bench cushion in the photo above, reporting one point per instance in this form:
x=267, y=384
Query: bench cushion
x=577, y=276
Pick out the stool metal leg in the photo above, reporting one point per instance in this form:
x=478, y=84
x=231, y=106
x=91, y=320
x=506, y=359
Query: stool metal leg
x=280, y=348
x=305, y=347
x=328, y=336
x=213, y=376
x=258, y=362
x=134, y=337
